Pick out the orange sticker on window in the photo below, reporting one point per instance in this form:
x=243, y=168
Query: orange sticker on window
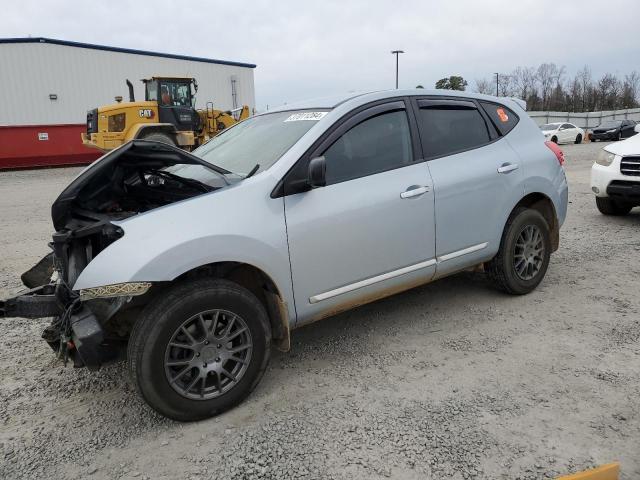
x=502, y=114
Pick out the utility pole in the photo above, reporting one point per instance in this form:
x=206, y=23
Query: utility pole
x=497, y=76
x=397, y=54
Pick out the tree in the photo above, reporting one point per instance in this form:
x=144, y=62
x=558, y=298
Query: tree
x=630, y=90
x=454, y=82
x=524, y=82
x=505, y=85
x=548, y=76
x=484, y=86
x=584, y=77
x=608, y=92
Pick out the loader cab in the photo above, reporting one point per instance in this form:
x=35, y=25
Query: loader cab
x=176, y=101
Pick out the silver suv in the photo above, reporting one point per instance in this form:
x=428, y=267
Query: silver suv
x=191, y=265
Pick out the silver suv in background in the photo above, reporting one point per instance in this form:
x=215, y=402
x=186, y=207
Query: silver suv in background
x=191, y=265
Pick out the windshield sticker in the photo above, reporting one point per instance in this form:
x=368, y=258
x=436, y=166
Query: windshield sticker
x=297, y=117
x=502, y=115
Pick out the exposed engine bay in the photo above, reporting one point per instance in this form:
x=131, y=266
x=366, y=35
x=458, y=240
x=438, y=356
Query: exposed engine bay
x=138, y=177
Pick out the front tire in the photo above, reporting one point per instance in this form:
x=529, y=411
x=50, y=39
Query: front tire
x=160, y=137
x=525, y=251
x=554, y=139
x=608, y=206
x=200, y=349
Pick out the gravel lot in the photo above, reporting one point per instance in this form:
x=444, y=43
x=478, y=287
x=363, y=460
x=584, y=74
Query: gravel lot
x=449, y=380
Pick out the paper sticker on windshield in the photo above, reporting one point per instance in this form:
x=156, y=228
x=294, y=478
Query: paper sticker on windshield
x=297, y=117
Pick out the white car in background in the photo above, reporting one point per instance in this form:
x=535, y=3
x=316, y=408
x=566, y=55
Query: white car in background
x=562, y=132
x=615, y=177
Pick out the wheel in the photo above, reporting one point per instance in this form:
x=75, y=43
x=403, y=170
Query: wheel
x=554, y=139
x=200, y=349
x=608, y=206
x=159, y=137
x=525, y=250
x=579, y=138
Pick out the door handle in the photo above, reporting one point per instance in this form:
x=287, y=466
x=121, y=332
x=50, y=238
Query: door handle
x=507, y=167
x=414, y=191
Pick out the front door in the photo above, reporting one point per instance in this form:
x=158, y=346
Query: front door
x=370, y=231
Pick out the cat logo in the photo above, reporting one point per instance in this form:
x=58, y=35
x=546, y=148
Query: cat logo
x=145, y=113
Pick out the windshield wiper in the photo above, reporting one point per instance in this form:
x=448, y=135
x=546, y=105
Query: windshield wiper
x=253, y=170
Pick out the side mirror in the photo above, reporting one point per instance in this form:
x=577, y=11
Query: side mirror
x=316, y=174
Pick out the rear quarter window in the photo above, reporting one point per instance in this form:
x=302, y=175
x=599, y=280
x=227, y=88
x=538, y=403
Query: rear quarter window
x=502, y=117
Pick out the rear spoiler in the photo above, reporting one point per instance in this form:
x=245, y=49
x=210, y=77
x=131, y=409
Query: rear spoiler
x=520, y=102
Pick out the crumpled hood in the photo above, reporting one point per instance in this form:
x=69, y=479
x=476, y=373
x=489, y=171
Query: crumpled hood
x=104, y=172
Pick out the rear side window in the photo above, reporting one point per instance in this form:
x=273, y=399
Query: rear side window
x=446, y=130
x=502, y=117
x=377, y=144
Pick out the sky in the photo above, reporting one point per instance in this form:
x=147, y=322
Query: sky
x=307, y=49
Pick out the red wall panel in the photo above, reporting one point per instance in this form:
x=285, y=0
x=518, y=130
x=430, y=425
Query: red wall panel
x=20, y=146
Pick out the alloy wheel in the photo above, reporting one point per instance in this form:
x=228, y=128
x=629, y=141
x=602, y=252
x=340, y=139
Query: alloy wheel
x=529, y=252
x=208, y=354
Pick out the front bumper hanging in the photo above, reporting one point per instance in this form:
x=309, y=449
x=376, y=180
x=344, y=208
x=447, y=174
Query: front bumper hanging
x=75, y=331
x=43, y=301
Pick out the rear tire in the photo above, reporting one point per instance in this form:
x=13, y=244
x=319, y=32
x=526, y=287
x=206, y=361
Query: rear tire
x=525, y=251
x=185, y=317
x=579, y=139
x=160, y=137
x=608, y=206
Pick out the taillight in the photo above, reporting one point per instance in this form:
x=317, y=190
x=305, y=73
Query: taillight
x=556, y=149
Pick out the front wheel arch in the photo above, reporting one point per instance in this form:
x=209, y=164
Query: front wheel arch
x=260, y=284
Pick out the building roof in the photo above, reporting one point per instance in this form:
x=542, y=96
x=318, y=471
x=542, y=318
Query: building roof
x=68, y=43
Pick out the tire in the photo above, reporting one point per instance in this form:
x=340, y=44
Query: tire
x=159, y=137
x=554, y=139
x=503, y=268
x=609, y=206
x=579, y=139
x=149, y=354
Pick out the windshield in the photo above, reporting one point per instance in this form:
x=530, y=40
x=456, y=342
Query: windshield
x=549, y=126
x=610, y=124
x=259, y=140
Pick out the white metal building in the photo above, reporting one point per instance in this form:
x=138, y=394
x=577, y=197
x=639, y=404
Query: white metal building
x=48, y=86
x=46, y=81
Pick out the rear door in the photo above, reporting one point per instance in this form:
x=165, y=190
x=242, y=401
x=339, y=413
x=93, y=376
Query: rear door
x=476, y=175
x=370, y=231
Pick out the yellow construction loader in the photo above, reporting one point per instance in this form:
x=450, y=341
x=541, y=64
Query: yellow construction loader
x=166, y=115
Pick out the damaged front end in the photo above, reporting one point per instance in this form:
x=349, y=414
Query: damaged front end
x=91, y=326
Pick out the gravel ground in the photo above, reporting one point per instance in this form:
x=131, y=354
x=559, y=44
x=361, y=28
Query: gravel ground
x=449, y=380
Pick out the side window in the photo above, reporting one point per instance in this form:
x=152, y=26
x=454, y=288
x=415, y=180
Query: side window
x=377, y=144
x=445, y=130
x=502, y=117
x=566, y=126
x=175, y=94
